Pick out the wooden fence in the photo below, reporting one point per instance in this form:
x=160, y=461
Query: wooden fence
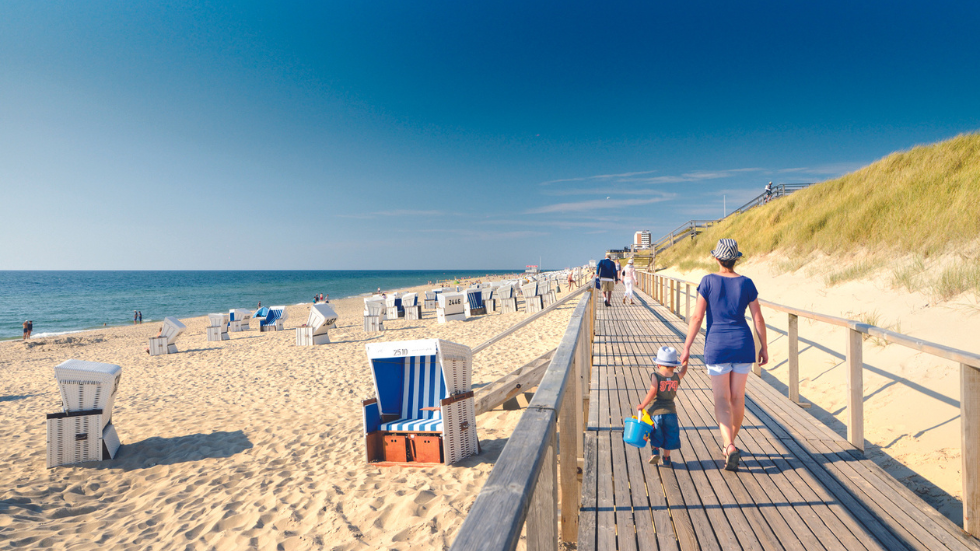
x=524, y=483
x=668, y=291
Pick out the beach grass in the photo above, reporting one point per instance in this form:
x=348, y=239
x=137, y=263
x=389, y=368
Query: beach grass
x=921, y=202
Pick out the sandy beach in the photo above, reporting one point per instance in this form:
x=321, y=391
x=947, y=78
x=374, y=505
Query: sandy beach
x=911, y=407
x=252, y=442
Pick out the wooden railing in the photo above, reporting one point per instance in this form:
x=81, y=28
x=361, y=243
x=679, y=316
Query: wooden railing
x=523, y=485
x=668, y=291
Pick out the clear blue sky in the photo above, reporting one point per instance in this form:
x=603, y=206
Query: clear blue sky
x=174, y=135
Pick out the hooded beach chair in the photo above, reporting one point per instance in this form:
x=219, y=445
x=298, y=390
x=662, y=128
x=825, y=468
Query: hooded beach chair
x=393, y=307
x=546, y=292
x=166, y=342
x=374, y=315
x=238, y=319
x=410, y=304
x=218, y=328
x=451, y=307
x=83, y=430
x=532, y=300
x=431, y=303
x=274, y=319
x=508, y=302
x=487, y=296
x=474, y=303
x=322, y=317
x=423, y=410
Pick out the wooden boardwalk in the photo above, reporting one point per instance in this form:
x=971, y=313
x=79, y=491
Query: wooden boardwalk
x=800, y=486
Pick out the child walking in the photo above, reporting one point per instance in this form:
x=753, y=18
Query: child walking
x=666, y=433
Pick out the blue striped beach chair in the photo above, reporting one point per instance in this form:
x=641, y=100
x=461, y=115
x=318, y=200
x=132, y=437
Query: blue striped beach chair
x=423, y=410
x=274, y=320
x=474, y=303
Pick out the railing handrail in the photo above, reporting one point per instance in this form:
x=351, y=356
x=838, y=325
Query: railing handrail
x=921, y=345
x=501, y=508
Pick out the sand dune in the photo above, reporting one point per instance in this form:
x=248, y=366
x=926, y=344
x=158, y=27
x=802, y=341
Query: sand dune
x=247, y=443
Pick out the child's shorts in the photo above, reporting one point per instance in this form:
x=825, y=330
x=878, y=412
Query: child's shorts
x=721, y=369
x=666, y=433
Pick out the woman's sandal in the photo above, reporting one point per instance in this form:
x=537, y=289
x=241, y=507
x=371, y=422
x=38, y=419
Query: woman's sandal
x=732, y=458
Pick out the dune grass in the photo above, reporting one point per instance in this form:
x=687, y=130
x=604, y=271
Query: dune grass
x=922, y=202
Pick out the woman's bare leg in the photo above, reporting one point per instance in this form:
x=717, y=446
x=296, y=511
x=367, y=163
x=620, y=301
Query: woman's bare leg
x=737, y=394
x=721, y=389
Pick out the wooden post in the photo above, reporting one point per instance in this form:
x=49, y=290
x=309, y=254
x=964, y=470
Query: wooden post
x=855, y=389
x=687, y=316
x=542, y=517
x=569, y=446
x=756, y=368
x=581, y=390
x=793, y=358
x=671, y=286
x=970, y=427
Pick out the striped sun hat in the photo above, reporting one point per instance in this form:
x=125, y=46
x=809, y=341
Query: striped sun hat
x=727, y=249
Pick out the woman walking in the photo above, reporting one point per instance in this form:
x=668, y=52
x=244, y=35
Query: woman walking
x=729, y=350
x=629, y=278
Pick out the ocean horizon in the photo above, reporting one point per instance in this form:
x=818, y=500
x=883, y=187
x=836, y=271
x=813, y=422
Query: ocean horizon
x=62, y=302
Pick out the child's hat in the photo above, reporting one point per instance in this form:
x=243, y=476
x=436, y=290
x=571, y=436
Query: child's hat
x=667, y=356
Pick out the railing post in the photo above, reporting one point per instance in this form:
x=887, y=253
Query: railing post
x=970, y=427
x=670, y=285
x=569, y=445
x=793, y=358
x=687, y=316
x=855, y=389
x=542, y=517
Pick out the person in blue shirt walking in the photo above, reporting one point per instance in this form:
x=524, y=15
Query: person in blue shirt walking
x=729, y=350
x=607, y=272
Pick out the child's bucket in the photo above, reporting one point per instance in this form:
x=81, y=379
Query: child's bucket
x=634, y=430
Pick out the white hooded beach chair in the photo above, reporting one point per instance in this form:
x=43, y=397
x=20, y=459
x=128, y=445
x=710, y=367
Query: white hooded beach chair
x=423, y=410
x=546, y=292
x=83, y=430
x=474, y=303
x=451, y=307
x=274, y=320
x=166, y=342
x=487, y=296
x=431, y=303
x=393, y=307
x=238, y=320
x=532, y=301
x=506, y=298
x=411, y=306
x=374, y=315
x=322, y=317
x=218, y=328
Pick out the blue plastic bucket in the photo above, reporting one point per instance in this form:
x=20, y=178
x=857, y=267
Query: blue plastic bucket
x=634, y=431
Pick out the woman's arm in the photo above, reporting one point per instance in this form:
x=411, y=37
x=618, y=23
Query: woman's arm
x=760, y=329
x=692, y=331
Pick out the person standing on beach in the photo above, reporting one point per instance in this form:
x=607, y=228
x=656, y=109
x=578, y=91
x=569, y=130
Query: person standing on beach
x=729, y=349
x=606, y=271
x=28, y=328
x=135, y=317
x=140, y=314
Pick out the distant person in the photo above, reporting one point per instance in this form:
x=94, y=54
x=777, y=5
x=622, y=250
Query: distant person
x=28, y=328
x=605, y=270
x=666, y=431
x=729, y=349
x=135, y=317
x=140, y=314
x=571, y=280
x=768, y=193
x=326, y=297
x=260, y=305
x=629, y=278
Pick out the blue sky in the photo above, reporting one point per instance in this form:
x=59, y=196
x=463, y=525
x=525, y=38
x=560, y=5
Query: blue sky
x=388, y=135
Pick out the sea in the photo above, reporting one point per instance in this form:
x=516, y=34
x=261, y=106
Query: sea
x=60, y=302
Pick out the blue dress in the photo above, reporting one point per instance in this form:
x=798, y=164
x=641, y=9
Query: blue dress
x=728, y=338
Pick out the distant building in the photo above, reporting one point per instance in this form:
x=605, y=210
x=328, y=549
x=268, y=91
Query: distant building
x=642, y=238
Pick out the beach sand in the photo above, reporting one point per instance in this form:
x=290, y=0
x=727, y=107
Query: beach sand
x=252, y=442
x=911, y=408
